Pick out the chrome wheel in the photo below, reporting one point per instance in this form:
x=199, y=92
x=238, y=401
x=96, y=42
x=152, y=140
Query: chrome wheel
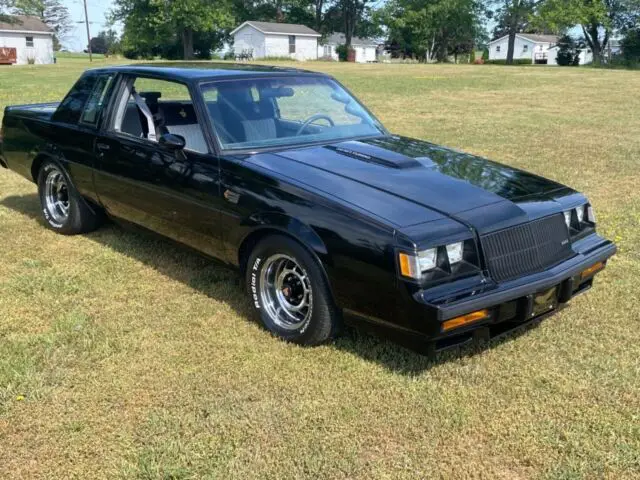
x=56, y=195
x=285, y=291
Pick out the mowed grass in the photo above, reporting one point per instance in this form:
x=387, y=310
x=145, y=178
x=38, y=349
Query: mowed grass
x=125, y=356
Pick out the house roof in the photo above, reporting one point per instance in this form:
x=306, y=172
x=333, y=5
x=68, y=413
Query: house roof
x=339, y=39
x=279, y=28
x=540, y=38
x=25, y=23
x=532, y=37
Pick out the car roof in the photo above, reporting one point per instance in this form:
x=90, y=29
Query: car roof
x=205, y=70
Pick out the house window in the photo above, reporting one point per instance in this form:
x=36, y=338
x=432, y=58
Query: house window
x=525, y=49
x=498, y=49
x=292, y=44
x=29, y=41
x=327, y=50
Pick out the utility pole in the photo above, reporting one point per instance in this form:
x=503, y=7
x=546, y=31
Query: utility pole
x=86, y=21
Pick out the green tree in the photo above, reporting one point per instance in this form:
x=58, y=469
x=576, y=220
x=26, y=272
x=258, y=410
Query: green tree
x=51, y=12
x=98, y=44
x=631, y=46
x=599, y=19
x=155, y=27
x=433, y=30
x=106, y=42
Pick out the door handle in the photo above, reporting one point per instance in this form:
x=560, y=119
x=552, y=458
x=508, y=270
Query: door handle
x=103, y=147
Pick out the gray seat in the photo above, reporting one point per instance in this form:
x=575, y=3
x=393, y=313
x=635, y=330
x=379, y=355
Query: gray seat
x=259, y=129
x=193, y=136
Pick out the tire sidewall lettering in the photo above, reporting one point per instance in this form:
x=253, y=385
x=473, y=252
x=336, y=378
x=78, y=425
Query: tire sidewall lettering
x=47, y=217
x=254, y=291
x=253, y=287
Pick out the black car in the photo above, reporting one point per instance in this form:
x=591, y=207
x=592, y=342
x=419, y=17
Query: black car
x=283, y=174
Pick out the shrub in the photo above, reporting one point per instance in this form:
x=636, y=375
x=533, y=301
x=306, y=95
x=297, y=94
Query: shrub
x=31, y=60
x=229, y=55
x=342, y=52
x=516, y=61
x=568, y=52
x=485, y=55
x=472, y=56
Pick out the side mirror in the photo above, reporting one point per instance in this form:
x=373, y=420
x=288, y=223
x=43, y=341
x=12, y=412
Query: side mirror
x=172, y=141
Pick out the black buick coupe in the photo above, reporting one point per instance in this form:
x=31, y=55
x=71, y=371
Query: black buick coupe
x=283, y=174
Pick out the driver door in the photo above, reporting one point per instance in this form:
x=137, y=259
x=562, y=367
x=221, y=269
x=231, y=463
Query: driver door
x=172, y=192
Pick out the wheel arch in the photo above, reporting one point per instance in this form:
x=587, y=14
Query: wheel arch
x=262, y=225
x=37, y=163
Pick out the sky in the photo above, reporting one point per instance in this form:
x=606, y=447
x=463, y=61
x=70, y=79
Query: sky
x=97, y=9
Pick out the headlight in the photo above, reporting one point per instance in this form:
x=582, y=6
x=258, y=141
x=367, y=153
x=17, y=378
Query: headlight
x=439, y=262
x=580, y=220
x=454, y=252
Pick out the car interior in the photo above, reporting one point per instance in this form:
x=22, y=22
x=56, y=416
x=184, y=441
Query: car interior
x=177, y=117
x=246, y=114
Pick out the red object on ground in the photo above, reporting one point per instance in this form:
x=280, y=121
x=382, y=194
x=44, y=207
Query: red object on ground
x=8, y=56
x=351, y=55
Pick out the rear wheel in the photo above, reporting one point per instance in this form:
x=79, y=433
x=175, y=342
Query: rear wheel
x=63, y=208
x=290, y=293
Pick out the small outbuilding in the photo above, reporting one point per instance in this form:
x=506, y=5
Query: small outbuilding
x=266, y=39
x=25, y=39
x=365, y=48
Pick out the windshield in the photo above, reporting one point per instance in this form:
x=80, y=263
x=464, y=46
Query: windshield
x=286, y=111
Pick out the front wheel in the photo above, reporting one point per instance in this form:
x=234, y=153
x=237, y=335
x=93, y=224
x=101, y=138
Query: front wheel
x=290, y=293
x=63, y=208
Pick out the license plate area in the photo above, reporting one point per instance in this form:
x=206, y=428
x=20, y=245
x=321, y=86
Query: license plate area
x=544, y=302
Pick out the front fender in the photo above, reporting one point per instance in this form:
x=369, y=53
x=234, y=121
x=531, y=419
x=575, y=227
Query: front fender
x=275, y=221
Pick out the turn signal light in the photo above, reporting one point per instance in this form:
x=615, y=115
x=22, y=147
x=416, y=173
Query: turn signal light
x=595, y=268
x=465, y=320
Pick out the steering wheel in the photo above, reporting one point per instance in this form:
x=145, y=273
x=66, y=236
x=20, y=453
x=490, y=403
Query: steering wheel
x=313, y=118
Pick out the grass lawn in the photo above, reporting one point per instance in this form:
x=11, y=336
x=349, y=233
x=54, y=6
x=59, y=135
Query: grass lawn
x=124, y=356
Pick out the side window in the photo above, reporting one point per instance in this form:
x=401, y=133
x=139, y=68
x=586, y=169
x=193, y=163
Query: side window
x=71, y=107
x=96, y=100
x=292, y=44
x=29, y=41
x=170, y=107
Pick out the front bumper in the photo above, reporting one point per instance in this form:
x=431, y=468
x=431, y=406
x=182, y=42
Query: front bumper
x=592, y=249
x=509, y=304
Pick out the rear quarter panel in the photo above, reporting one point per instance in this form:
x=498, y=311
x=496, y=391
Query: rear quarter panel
x=29, y=136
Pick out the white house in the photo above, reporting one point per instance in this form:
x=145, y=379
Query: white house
x=365, y=48
x=24, y=40
x=265, y=39
x=528, y=45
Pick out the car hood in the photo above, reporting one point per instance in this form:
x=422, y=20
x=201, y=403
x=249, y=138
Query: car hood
x=403, y=173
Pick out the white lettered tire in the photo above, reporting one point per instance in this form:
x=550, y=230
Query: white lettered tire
x=289, y=292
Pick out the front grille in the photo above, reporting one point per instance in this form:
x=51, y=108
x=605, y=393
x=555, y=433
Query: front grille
x=526, y=249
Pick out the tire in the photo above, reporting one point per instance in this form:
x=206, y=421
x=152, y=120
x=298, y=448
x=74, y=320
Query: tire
x=63, y=208
x=280, y=264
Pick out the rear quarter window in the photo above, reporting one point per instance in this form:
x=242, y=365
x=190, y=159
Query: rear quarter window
x=95, y=104
x=70, y=109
